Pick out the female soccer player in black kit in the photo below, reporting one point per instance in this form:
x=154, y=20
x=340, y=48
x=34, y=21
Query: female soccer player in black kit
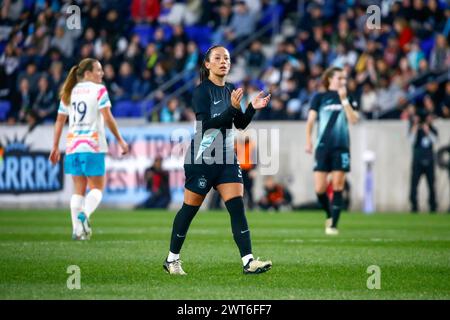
x=211, y=160
x=334, y=111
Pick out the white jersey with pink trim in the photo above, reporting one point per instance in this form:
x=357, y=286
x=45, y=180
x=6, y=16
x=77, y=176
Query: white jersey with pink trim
x=86, y=124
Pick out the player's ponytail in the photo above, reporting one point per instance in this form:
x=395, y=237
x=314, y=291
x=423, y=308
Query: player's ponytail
x=76, y=73
x=204, y=72
x=328, y=74
x=68, y=85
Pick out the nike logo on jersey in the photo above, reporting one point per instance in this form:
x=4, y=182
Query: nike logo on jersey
x=245, y=231
x=216, y=102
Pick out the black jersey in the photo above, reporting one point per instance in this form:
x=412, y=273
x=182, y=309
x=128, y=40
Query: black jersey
x=333, y=127
x=215, y=117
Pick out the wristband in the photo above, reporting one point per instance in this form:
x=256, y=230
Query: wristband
x=345, y=101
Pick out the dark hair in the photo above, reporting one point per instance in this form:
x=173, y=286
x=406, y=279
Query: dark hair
x=329, y=73
x=204, y=72
x=76, y=74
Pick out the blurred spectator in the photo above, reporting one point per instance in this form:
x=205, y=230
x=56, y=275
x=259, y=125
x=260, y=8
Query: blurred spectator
x=150, y=56
x=172, y=112
x=39, y=40
x=242, y=24
x=178, y=12
x=32, y=75
x=108, y=56
x=178, y=35
x=221, y=22
x=277, y=110
x=192, y=56
x=345, y=56
x=368, y=100
x=179, y=57
x=63, y=41
x=125, y=81
x=44, y=106
x=404, y=33
x=110, y=82
x=389, y=99
x=56, y=76
x=145, y=10
x=255, y=59
x=445, y=105
x=25, y=99
x=157, y=180
x=305, y=97
x=440, y=55
x=9, y=62
x=415, y=56
x=275, y=195
x=11, y=10
x=160, y=74
x=142, y=87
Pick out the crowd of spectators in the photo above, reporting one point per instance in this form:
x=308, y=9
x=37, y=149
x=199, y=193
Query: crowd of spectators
x=142, y=44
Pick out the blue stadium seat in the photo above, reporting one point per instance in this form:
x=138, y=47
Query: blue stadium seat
x=427, y=45
x=125, y=109
x=145, y=33
x=272, y=11
x=5, y=106
x=199, y=34
x=168, y=31
x=204, y=46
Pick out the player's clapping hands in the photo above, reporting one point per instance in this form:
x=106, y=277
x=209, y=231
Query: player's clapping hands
x=260, y=102
x=236, y=97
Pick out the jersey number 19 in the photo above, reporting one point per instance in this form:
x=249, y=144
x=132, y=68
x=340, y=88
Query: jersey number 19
x=81, y=109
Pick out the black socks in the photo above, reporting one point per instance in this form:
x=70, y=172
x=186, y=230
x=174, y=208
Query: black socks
x=325, y=202
x=336, y=207
x=181, y=225
x=239, y=226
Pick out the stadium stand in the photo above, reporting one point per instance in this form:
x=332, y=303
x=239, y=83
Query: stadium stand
x=390, y=67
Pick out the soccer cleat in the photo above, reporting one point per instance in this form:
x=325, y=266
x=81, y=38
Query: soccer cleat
x=85, y=226
x=257, y=266
x=174, y=267
x=78, y=237
x=331, y=231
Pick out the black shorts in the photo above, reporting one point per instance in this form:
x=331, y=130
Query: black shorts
x=327, y=160
x=201, y=177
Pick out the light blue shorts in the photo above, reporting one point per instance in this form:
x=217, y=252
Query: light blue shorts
x=85, y=164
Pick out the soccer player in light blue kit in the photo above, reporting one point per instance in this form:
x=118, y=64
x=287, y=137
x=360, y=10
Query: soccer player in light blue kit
x=85, y=101
x=333, y=110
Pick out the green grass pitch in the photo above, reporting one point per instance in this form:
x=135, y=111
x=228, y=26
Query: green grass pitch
x=123, y=260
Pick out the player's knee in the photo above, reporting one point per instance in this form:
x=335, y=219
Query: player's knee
x=321, y=189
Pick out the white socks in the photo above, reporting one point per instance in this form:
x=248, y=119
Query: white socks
x=76, y=206
x=173, y=256
x=93, y=199
x=246, y=259
x=86, y=204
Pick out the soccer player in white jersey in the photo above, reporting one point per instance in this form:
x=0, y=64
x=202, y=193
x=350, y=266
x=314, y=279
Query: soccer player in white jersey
x=85, y=101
